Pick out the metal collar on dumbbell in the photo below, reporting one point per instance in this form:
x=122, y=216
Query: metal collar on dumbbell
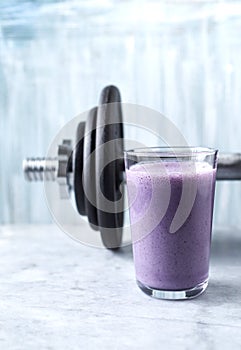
x=52, y=169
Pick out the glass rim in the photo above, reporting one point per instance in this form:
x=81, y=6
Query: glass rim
x=171, y=151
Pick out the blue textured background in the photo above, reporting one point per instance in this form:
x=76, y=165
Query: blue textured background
x=55, y=56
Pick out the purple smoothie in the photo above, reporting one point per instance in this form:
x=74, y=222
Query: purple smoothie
x=165, y=260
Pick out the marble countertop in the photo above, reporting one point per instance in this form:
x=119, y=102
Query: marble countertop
x=58, y=294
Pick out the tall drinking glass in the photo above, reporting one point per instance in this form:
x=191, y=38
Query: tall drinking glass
x=171, y=195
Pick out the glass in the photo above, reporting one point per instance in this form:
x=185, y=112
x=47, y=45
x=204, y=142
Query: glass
x=171, y=195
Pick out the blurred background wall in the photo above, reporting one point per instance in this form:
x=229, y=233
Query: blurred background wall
x=182, y=58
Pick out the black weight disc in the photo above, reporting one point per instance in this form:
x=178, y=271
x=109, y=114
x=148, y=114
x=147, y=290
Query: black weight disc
x=109, y=127
x=78, y=168
x=89, y=169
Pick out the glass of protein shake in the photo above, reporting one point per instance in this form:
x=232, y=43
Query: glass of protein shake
x=171, y=195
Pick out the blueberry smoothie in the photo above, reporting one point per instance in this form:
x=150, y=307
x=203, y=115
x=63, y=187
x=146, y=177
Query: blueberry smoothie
x=169, y=256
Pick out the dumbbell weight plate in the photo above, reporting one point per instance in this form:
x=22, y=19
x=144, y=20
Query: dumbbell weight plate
x=89, y=168
x=109, y=127
x=78, y=169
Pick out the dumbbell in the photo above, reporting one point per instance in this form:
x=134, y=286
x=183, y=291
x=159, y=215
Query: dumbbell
x=70, y=168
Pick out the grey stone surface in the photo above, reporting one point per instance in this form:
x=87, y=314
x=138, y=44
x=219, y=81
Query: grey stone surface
x=58, y=294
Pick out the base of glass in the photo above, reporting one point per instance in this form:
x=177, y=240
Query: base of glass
x=174, y=294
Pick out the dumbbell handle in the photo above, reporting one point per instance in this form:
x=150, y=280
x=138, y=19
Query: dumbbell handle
x=38, y=169
x=229, y=166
